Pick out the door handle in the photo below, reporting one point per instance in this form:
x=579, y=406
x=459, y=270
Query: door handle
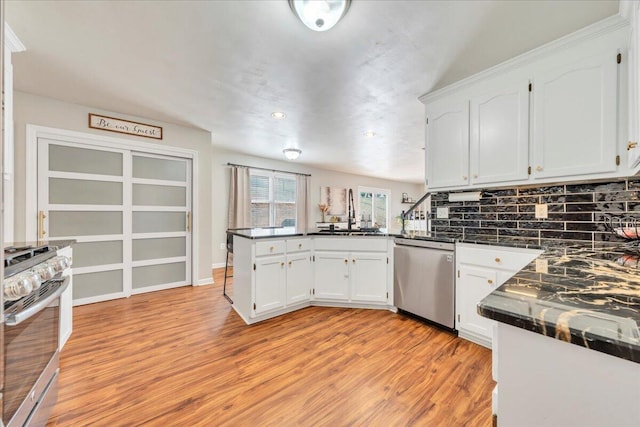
x=41, y=231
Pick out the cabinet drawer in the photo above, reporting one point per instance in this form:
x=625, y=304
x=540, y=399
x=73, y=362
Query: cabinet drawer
x=296, y=245
x=513, y=259
x=270, y=247
x=368, y=244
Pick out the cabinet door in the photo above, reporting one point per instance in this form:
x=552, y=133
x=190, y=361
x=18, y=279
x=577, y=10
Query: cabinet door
x=633, y=150
x=499, y=143
x=269, y=290
x=332, y=275
x=369, y=277
x=447, y=144
x=575, y=118
x=474, y=284
x=299, y=277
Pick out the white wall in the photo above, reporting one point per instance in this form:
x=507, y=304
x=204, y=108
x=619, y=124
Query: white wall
x=319, y=178
x=37, y=110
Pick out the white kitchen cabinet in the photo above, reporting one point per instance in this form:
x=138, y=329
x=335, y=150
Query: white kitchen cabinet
x=480, y=270
x=499, y=139
x=66, y=302
x=269, y=283
x=473, y=285
x=572, y=124
x=299, y=277
x=633, y=150
x=575, y=116
x=331, y=275
x=368, y=274
x=447, y=144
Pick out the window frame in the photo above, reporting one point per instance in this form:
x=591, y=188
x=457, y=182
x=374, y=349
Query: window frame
x=375, y=191
x=272, y=176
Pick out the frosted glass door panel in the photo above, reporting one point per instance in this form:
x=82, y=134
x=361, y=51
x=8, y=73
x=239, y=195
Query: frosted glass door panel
x=84, y=160
x=164, y=169
x=84, y=192
x=159, y=195
x=80, y=223
x=168, y=247
x=159, y=274
x=97, y=253
x=93, y=284
x=158, y=222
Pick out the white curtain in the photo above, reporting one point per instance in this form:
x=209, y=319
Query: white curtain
x=239, y=198
x=303, y=183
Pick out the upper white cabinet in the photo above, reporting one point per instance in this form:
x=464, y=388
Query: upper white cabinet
x=447, y=144
x=499, y=144
x=559, y=111
x=575, y=117
x=633, y=150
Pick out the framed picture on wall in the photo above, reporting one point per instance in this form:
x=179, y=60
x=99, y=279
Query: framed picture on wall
x=335, y=198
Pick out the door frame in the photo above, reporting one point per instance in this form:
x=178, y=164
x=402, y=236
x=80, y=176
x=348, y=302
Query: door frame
x=31, y=206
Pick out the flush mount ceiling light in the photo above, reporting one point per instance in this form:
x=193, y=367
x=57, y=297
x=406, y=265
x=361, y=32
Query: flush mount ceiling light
x=319, y=15
x=369, y=134
x=291, y=153
x=278, y=115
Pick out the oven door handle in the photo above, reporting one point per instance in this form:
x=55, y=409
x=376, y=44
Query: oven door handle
x=16, y=319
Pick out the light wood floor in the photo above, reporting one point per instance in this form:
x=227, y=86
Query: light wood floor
x=182, y=357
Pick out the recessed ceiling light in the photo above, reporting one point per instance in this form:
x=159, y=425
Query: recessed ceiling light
x=278, y=115
x=369, y=134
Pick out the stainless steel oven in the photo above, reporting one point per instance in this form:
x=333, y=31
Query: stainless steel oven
x=32, y=288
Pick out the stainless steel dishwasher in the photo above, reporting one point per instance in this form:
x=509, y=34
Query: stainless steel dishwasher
x=424, y=280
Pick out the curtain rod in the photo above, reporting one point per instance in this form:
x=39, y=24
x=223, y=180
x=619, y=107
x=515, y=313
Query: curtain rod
x=267, y=169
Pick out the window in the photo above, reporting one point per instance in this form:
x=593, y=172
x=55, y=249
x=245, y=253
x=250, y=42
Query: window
x=273, y=199
x=374, y=207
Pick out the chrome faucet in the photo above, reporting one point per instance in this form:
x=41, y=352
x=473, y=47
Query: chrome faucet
x=352, y=212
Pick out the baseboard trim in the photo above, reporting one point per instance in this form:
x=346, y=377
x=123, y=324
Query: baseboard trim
x=205, y=281
x=218, y=265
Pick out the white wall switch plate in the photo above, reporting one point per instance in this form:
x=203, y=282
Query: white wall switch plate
x=541, y=211
x=542, y=266
x=442, y=213
x=223, y=246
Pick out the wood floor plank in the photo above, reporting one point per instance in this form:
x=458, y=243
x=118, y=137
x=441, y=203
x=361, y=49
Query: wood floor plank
x=183, y=357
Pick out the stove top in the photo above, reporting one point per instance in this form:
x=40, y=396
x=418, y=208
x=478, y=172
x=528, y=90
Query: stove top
x=20, y=258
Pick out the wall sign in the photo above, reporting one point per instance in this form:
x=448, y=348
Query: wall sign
x=112, y=124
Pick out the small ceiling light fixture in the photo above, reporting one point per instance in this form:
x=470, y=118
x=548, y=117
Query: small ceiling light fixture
x=369, y=134
x=291, y=153
x=319, y=15
x=278, y=115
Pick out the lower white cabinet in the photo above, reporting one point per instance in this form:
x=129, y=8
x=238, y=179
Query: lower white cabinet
x=276, y=276
x=368, y=275
x=299, y=277
x=269, y=284
x=66, y=303
x=480, y=270
x=332, y=276
x=351, y=276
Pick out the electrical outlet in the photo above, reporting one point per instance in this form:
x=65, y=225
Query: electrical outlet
x=542, y=266
x=541, y=211
x=223, y=246
x=442, y=213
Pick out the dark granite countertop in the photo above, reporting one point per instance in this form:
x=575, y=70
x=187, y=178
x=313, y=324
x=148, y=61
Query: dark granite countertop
x=583, y=295
x=272, y=232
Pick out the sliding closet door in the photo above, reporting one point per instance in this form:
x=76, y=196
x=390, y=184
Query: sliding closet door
x=81, y=194
x=130, y=213
x=161, y=200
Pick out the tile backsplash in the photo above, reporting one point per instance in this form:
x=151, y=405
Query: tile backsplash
x=576, y=212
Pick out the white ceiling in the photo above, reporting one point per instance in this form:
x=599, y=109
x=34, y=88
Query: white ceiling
x=224, y=66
